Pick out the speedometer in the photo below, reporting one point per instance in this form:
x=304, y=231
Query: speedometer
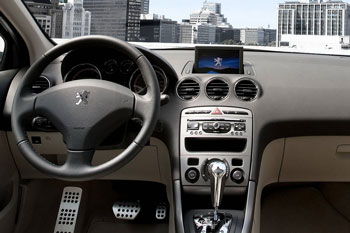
x=138, y=85
x=83, y=71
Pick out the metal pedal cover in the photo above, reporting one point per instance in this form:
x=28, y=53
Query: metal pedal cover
x=126, y=210
x=161, y=211
x=68, y=212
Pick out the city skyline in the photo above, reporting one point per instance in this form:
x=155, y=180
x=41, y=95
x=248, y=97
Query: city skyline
x=239, y=13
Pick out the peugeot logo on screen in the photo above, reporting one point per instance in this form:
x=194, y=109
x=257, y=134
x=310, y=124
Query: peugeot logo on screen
x=82, y=97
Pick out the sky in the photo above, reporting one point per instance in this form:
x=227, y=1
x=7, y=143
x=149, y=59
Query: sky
x=240, y=13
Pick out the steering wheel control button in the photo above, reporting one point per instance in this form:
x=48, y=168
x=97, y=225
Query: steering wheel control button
x=42, y=123
x=68, y=211
x=192, y=175
x=126, y=210
x=237, y=176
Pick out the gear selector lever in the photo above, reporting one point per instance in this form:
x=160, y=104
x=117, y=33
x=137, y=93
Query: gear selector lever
x=217, y=171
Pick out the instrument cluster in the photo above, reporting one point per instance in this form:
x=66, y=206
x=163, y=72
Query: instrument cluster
x=109, y=66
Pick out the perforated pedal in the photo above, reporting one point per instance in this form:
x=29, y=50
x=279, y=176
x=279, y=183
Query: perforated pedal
x=68, y=212
x=161, y=211
x=126, y=210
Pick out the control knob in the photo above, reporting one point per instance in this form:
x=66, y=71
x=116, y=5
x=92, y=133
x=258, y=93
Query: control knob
x=216, y=125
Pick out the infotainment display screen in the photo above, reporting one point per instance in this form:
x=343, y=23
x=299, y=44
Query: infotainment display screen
x=218, y=60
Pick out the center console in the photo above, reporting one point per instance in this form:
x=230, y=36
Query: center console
x=215, y=132
x=215, y=155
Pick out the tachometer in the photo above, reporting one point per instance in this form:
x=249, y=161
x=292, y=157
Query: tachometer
x=83, y=71
x=138, y=85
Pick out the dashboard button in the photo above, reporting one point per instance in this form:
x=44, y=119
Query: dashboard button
x=192, y=125
x=237, y=176
x=240, y=127
x=205, y=126
x=192, y=175
x=216, y=125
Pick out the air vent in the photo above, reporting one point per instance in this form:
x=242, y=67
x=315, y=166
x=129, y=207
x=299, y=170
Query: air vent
x=188, y=89
x=40, y=85
x=246, y=90
x=217, y=89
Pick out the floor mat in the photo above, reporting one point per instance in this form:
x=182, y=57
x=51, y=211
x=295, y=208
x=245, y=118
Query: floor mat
x=101, y=226
x=300, y=210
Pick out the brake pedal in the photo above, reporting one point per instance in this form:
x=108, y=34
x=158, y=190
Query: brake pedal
x=161, y=211
x=126, y=210
x=68, y=212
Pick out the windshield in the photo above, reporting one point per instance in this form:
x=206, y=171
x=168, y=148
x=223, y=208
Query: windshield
x=304, y=25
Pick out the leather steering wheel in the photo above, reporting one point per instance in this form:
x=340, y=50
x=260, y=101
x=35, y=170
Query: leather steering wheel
x=85, y=112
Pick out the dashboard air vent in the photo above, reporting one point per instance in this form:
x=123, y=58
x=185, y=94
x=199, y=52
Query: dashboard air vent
x=188, y=89
x=217, y=89
x=246, y=90
x=40, y=85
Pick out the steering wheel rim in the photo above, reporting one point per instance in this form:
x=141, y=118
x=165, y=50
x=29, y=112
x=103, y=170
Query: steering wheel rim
x=101, y=100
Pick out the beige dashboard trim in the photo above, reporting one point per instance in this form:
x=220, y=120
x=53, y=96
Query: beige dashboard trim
x=303, y=159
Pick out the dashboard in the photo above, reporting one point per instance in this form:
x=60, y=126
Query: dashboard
x=287, y=94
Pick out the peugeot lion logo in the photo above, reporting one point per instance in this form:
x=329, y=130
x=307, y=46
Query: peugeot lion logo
x=82, y=97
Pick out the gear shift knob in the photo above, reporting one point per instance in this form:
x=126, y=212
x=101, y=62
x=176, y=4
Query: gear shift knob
x=218, y=172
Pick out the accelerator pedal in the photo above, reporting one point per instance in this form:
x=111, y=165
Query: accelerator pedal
x=68, y=212
x=126, y=210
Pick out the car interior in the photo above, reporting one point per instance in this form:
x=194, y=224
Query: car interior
x=100, y=135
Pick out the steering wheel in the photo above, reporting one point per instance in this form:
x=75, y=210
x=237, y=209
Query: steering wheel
x=85, y=112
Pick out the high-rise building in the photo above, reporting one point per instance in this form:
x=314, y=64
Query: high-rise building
x=74, y=19
x=313, y=18
x=186, y=33
x=87, y=23
x=204, y=33
x=48, y=14
x=133, y=20
x=156, y=28
x=203, y=16
x=116, y=18
x=144, y=6
x=209, y=21
x=45, y=22
x=213, y=7
x=227, y=34
x=253, y=36
x=269, y=36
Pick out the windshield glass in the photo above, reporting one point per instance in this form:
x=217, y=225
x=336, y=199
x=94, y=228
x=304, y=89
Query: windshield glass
x=304, y=25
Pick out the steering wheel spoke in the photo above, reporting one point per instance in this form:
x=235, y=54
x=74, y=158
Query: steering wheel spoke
x=79, y=159
x=27, y=105
x=142, y=107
